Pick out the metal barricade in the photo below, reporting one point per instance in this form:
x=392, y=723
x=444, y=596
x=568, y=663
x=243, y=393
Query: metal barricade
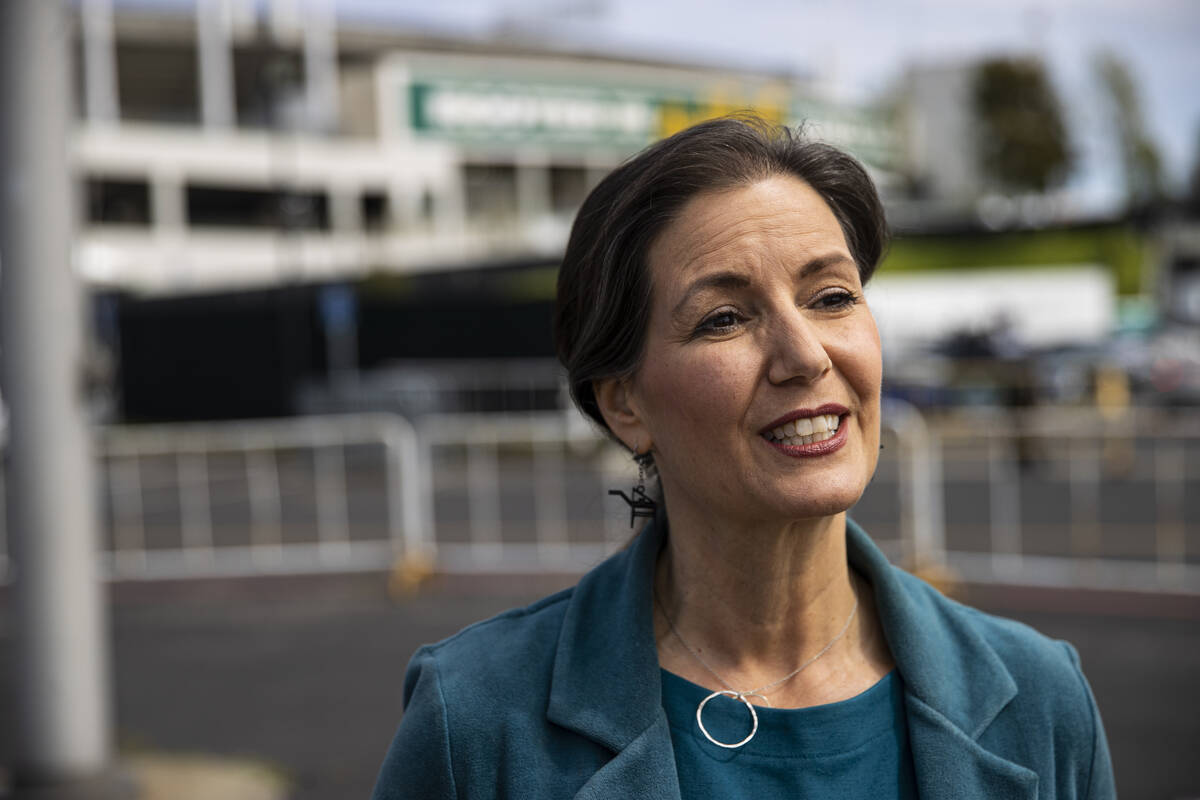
x=169, y=488
x=1061, y=498
x=521, y=494
x=1073, y=498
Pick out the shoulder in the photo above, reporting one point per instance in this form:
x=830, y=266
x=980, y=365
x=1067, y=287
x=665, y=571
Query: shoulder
x=468, y=699
x=1051, y=722
x=513, y=648
x=1038, y=663
x=934, y=635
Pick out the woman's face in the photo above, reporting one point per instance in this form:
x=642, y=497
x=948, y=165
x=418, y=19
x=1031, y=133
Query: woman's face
x=758, y=330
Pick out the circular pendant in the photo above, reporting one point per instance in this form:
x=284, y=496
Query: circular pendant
x=736, y=696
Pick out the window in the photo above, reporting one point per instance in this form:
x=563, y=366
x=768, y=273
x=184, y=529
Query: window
x=117, y=202
x=374, y=207
x=268, y=86
x=568, y=188
x=286, y=210
x=158, y=82
x=491, y=192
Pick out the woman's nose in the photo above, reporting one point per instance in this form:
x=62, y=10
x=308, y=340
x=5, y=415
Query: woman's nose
x=797, y=352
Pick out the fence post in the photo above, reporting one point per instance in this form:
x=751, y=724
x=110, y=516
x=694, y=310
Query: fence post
x=408, y=525
x=266, y=504
x=125, y=490
x=1170, y=540
x=191, y=465
x=549, y=491
x=483, y=490
x=1085, y=500
x=1004, y=505
x=922, y=529
x=333, y=513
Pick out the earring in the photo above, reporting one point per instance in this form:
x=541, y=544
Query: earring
x=639, y=504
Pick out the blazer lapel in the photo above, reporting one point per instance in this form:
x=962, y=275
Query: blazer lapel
x=949, y=765
x=606, y=683
x=645, y=769
x=955, y=684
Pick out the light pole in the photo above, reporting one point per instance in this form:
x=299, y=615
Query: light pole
x=59, y=701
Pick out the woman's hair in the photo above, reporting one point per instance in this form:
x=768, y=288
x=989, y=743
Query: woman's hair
x=603, y=306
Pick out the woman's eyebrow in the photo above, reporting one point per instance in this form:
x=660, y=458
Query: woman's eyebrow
x=826, y=262
x=737, y=280
x=714, y=280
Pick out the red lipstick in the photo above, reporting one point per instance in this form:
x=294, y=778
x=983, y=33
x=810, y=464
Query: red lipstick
x=822, y=448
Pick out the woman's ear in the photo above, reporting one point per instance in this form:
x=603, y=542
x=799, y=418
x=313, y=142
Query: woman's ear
x=619, y=407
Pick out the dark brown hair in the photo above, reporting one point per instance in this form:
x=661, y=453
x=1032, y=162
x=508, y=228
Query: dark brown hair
x=603, y=305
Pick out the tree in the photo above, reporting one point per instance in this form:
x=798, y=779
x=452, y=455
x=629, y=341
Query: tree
x=1022, y=140
x=1140, y=159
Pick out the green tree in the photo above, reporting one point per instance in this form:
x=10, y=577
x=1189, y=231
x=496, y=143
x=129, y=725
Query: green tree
x=1022, y=140
x=1141, y=163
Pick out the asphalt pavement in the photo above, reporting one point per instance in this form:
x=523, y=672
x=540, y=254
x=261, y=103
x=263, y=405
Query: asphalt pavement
x=303, y=676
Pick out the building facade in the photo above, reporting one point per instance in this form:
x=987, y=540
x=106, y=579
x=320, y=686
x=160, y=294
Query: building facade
x=251, y=146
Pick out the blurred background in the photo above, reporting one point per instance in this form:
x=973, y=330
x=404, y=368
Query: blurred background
x=318, y=246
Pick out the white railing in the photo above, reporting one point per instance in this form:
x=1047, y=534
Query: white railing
x=556, y=472
x=164, y=484
x=997, y=497
x=1110, y=496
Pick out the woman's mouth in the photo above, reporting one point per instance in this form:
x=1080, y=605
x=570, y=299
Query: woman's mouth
x=805, y=431
x=809, y=436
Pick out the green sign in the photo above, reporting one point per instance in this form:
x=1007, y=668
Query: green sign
x=526, y=112
x=507, y=112
x=496, y=111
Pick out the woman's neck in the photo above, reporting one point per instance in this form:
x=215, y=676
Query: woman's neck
x=757, y=601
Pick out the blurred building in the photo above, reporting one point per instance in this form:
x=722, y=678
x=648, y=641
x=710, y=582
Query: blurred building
x=939, y=140
x=263, y=185
x=246, y=147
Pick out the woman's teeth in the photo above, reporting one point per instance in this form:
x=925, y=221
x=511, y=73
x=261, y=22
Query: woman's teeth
x=805, y=431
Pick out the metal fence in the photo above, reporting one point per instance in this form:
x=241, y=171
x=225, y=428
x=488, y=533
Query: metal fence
x=1053, y=498
x=523, y=493
x=258, y=497
x=1072, y=497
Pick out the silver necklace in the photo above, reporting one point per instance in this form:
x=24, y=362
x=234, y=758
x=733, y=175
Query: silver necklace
x=728, y=691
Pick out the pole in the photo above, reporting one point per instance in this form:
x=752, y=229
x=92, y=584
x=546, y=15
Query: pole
x=60, y=701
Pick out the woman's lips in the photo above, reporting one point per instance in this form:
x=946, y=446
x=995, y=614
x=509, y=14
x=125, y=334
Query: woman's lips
x=821, y=448
x=836, y=409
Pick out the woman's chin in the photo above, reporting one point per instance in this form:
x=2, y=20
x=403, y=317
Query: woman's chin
x=796, y=509
x=816, y=505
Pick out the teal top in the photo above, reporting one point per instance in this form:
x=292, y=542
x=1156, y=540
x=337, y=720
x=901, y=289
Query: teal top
x=857, y=748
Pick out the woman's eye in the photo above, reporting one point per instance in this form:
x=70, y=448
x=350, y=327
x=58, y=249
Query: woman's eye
x=834, y=301
x=721, y=322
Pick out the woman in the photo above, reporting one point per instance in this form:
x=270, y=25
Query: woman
x=751, y=641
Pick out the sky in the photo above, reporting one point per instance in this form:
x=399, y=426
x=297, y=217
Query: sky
x=858, y=49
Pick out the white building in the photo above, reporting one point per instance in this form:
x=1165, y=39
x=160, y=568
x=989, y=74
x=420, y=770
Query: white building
x=247, y=146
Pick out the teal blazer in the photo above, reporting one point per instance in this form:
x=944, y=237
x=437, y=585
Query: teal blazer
x=561, y=699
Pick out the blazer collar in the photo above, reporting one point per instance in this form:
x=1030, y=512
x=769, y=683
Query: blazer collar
x=944, y=662
x=606, y=683
x=955, y=684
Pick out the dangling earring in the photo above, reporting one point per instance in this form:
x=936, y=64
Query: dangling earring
x=639, y=504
